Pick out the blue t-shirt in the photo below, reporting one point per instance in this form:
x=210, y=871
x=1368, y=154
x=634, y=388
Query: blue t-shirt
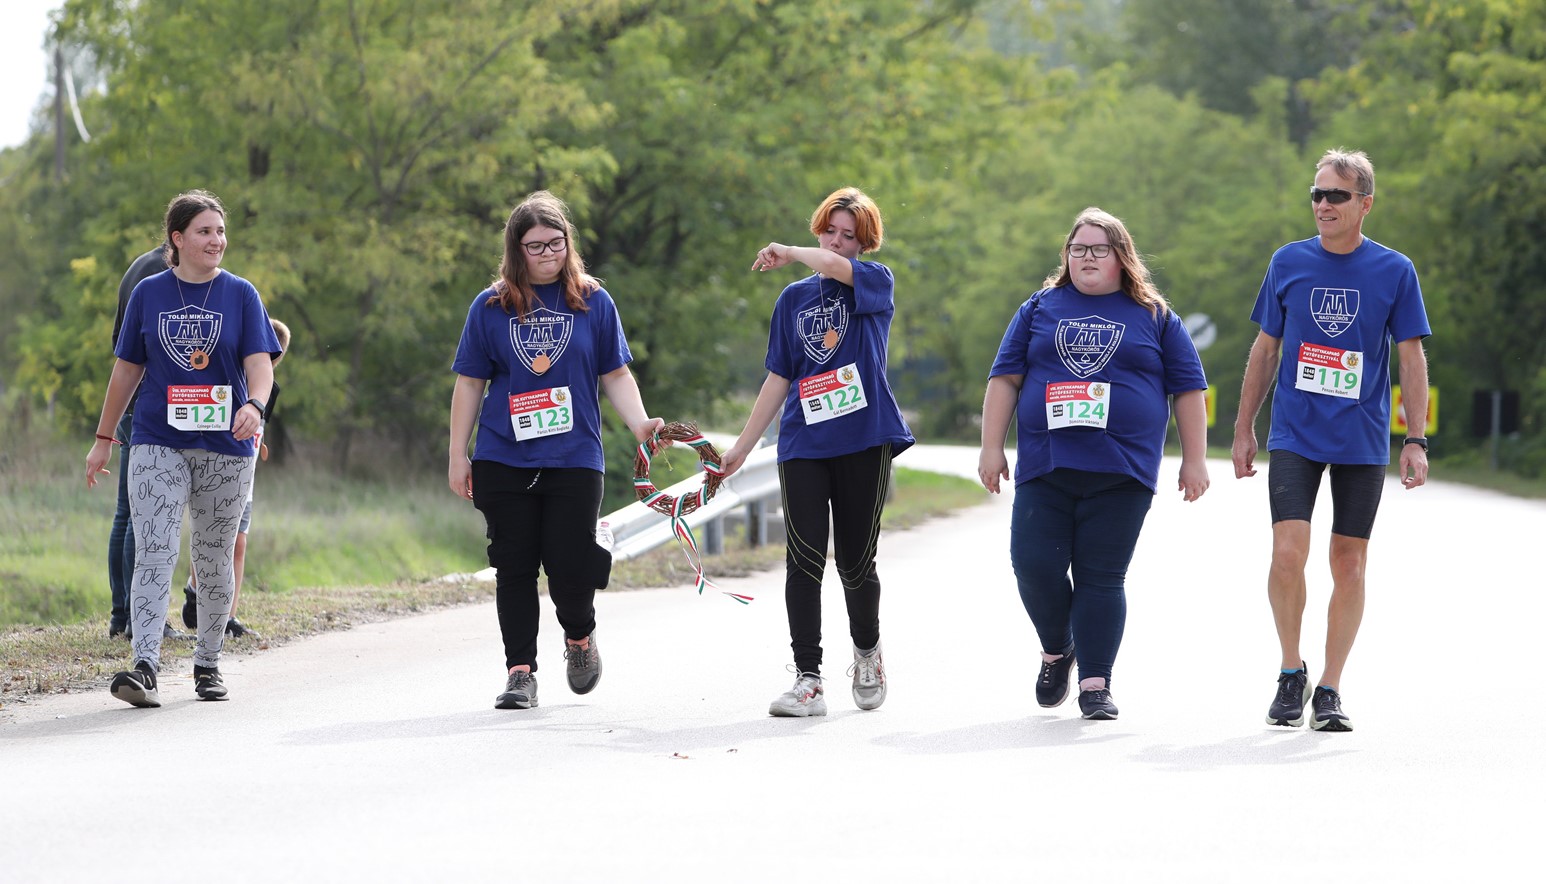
x=162, y=328
x=531, y=362
x=1112, y=361
x=834, y=337
x=1336, y=316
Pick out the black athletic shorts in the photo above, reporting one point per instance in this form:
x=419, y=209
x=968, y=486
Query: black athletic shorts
x=1355, y=492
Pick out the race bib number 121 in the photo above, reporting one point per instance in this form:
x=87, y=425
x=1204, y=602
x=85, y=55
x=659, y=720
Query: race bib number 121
x=196, y=408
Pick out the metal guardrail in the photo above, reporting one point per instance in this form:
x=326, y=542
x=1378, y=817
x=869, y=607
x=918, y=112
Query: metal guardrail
x=637, y=529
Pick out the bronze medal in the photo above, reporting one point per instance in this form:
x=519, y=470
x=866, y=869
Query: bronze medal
x=829, y=340
x=540, y=364
x=200, y=359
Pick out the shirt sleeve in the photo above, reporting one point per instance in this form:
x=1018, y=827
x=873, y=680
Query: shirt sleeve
x=874, y=287
x=1268, y=312
x=472, y=358
x=131, y=340
x=1183, y=367
x=1013, y=351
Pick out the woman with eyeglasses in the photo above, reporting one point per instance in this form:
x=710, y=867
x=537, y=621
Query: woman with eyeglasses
x=540, y=346
x=839, y=429
x=1088, y=368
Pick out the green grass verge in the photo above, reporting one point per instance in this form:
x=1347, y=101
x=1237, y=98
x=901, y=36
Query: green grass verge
x=351, y=542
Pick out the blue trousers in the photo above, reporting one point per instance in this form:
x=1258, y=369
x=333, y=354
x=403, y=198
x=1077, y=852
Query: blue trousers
x=120, y=542
x=1072, y=536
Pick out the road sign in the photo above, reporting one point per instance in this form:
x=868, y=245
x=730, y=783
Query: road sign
x=1200, y=326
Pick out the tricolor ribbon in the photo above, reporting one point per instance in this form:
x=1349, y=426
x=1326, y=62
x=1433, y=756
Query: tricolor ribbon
x=679, y=507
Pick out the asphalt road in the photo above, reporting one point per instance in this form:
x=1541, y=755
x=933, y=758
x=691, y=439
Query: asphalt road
x=375, y=754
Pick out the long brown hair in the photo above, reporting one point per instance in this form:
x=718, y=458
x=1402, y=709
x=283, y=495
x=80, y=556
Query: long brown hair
x=1136, y=281
x=512, y=287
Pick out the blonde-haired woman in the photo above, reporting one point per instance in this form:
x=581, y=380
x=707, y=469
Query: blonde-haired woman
x=1088, y=366
x=839, y=429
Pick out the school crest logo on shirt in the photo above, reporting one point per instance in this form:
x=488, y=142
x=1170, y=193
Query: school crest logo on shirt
x=822, y=327
x=541, y=339
x=1086, y=344
x=188, y=329
x=1334, y=309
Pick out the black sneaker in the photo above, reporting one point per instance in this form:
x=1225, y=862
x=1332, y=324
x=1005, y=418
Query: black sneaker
x=1097, y=705
x=190, y=606
x=207, y=683
x=520, y=692
x=1293, y=695
x=1052, y=683
x=118, y=630
x=172, y=633
x=137, y=687
x=236, y=629
x=584, y=665
x=1328, y=711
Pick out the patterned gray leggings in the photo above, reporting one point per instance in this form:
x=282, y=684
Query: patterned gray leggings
x=213, y=488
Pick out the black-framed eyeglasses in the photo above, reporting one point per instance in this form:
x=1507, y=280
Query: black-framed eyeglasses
x=1079, y=250
x=553, y=245
x=1334, y=195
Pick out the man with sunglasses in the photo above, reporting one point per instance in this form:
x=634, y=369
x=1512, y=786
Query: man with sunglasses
x=1330, y=306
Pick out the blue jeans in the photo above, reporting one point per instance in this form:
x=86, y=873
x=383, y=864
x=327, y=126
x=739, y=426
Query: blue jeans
x=120, y=542
x=1083, y=524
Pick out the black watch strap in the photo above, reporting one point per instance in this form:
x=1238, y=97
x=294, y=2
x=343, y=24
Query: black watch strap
x=262, y=406
x=1419, y=441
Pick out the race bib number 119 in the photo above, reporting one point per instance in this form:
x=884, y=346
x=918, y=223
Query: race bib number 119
x=1329, y=371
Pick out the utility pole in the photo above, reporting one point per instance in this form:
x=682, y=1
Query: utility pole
x=58, y=114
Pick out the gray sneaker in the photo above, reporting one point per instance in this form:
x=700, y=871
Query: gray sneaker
x=805, y=698
x=869, y=673
x=584, y=665
x=520, y=692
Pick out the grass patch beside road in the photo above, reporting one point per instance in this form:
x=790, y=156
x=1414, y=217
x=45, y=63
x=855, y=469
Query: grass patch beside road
x=61, y=658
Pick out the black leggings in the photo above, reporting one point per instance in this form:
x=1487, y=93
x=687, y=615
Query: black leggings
x=543, y=518
x=852, y=487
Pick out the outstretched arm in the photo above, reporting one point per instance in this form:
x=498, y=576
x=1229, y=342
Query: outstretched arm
x=622, y=390
x=824, y=261
x=770, y=400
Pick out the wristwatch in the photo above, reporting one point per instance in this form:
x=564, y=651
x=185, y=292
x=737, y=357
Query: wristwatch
x=1419, y=441
x=262, y=407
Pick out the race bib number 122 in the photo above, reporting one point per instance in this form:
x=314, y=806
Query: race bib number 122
x=832, y=394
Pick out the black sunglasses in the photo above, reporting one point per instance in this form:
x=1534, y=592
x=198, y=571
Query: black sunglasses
x=1335, y=196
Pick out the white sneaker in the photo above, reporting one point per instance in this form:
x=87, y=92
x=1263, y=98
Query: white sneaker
x=805, y=698
x=869, y=673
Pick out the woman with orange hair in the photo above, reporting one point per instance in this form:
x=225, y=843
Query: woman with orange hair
x=839, y=429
